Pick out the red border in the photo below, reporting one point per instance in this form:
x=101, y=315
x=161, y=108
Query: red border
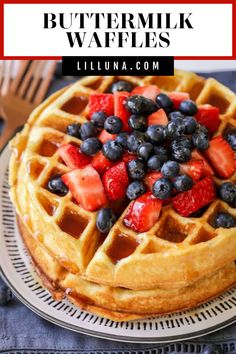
x=232, y=2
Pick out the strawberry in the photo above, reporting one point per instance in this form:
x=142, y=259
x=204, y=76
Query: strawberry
x=148, y=91
x=178, y=97
x=143, y=213
x=120, y=109
x=221, y=156
x=193, y=168
x=202, y=194
x=101, y=163
x=86, y=187
x=101, y=102
x=127, y=157
x=115, y=181
x=209, y=116
x=207, y=170
x=104, y=136
x=158, y=117
x=151, y=178
x=73, y=157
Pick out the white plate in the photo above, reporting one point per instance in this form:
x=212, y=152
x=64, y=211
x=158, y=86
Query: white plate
x=16, y=269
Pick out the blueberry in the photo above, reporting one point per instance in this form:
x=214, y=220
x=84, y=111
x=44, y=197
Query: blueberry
x=88, y=130
x=74, y=130
x=135, y=140
x=230, y=136
x=190, y=124
x=5, y=295
x=175, y=128
x=154, y=163
x=224, y=220
x=227, y=192
x=112, y=150
x=175, y=114
x=138, y=122
x=161, y=150
x=162, y=188
x=164, y=101
x=183, y=183
x=188, y=107
x=200, y=138
x=122, y=139
x=181, y=154
x=145, y=150
x=105, y=220
x=113, y=125
x=57, y=186
x=170, y=169
x=91, y=146
x=155, y=133
x=212, y=349
x=98, y=119
x=140, y=105
x=136, y=169
x=182, y=141
x=233, y=203
x=135, y=190
x=121, y=86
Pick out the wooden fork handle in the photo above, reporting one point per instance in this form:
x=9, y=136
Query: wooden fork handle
x=8, y=132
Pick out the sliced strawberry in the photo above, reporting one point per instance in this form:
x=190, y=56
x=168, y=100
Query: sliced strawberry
x=101, y=102
x=151, y=178
x=86, y=187
x=178, y=97
x=101, y=163
x=73, y=157
x=143, y=213
x=202, y=194
x=221, y=156
x=158, y=117
x=193, y=168
x=209, y=116
x=148, y=91
x=120, y=110
x=104, y=136
x=207, y=170
x=127, y=157
x=115, y=181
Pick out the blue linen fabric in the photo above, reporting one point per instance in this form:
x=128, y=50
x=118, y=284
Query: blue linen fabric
x=23, y=332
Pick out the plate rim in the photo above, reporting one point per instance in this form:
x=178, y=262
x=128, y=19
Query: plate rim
x=93, y=333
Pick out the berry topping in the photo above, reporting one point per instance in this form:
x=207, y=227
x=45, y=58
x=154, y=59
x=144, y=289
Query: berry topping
x=202, y=194
x=113, y=125
x=180, y=153
x=74, y=130
x=194, y=169
x=155, y=162
x=170, y=169
x=127, y=157
x=115, y=181
x=101, y=163
x=161, y=150
x=143, y=213
x=224, y=220
x=101, y=102
x=122, y=139
x=151, y=178
x=207, y=170
x=174, y=115
x=136, y=169
x=73, y=157
x=135, y=190
x=86, y=187
x=104, y=136
x=230, y=137
x=121, y=86
x=88, y=130
x=145, y=150
x=57, y=186
x=148, y=91
x=175, y=128
x=105, y=220
x=190, y=124
x=98, y=119
x=188, y=108
x=221, y=156
x=164, y=101
x=183, y=183
x=178, y=97
x=158, y=118
x=120, y=110
x=208, y=116
x=138, y=122
x=227, y=192
x=162, y=188
x=140, y=105
x=155, y=134
x=135, y=140
x=91, y=146
x=200, y=138
x=112, y=150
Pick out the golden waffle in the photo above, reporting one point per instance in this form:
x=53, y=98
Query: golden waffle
x=177, y=252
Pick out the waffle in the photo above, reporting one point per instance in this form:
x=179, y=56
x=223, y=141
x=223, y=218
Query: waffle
x=176, y=253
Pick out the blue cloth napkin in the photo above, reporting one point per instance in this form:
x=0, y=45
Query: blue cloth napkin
x=23, y=332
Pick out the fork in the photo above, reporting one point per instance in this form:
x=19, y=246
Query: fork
x=26, y=91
